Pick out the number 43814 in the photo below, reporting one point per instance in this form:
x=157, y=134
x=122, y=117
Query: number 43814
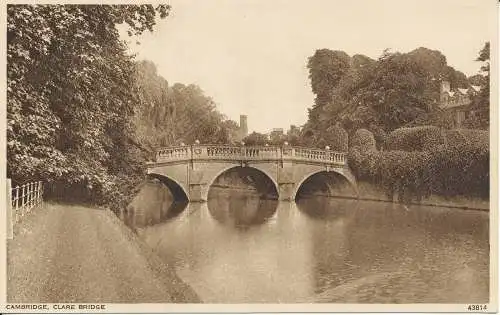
x=477, y=307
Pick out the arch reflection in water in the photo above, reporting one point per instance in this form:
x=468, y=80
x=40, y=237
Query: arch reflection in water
x=324, y=208
x=241, y=209
x=153, y=204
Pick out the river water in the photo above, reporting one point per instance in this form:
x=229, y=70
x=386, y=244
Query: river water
x=237, y=248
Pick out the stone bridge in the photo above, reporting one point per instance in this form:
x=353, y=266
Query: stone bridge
x=189, y=171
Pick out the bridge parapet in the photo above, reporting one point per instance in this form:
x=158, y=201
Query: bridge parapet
x=249, y=153
x=316, y=155
x=180, y=153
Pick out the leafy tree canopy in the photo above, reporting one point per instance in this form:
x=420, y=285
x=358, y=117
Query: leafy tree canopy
x=381, y=95
x=71, y=95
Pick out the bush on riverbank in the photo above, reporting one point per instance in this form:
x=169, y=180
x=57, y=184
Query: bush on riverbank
x=467, y=136
x=414, y=139
x=339, y=139
x=363, y=140
x=428, y=138
x=458, y=168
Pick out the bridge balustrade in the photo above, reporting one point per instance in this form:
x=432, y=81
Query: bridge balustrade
x=221, y=152
x=174, y=153
x=216, y=152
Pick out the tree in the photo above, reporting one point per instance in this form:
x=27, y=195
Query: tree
x=326, y=69
x=255, y=138
x=482, y=100
x=181, y=113
x=71, y=95
x=381, y=95
x=477, y=79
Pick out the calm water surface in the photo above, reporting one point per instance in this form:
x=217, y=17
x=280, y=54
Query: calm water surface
x=238, y=248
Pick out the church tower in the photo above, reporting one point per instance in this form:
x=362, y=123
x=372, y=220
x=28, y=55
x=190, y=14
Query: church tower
x=243, y=126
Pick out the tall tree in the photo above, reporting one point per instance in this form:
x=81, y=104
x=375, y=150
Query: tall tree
x=380, y=95
x=326, y=69
x=71, y=94
x=481, y=102
x=170, y=115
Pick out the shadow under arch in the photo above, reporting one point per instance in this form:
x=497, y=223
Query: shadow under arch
x=328, y=181
x=264, y=183
x=178, y=191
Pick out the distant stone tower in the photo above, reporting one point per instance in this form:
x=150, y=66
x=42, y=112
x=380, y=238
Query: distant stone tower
x=243, y=126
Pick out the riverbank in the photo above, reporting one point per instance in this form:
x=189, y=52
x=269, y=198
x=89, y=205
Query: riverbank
x=433, y=201
x=370, y=192
x=68, y=253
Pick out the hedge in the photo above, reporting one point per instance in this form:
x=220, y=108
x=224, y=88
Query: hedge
x=459, y=167
x=414, y=139
x=363, y=140
x=469, y=136
x=338, y=138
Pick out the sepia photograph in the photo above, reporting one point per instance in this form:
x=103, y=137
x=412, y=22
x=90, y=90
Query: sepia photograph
x=283, y=156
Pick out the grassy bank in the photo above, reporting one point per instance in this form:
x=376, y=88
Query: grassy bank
x=180, y=291
x=75, y=254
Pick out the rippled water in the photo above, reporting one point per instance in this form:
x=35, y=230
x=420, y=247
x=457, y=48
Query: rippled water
x=238, y=248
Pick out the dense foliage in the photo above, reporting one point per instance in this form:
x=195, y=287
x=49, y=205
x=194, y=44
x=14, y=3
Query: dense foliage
x=396, y=90
x=82, y=115
x=455, y=163
x=256, y=138
x=170, y=115
x=414, y=139
x=481, y=102
x=363, y=140
x=70, y=97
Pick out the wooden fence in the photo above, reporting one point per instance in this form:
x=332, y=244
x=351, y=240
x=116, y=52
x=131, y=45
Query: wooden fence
x=22, y=200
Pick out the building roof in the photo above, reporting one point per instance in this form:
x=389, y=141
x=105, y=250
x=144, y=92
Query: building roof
x=463, y=91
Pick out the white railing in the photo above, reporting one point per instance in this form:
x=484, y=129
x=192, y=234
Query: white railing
x=249, y=153
x=21, y=200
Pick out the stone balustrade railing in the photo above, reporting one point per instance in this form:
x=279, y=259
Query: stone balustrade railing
x=248, y=153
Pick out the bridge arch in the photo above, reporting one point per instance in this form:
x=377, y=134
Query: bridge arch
x=177, y=189
x=212, y=180
x=348, y=176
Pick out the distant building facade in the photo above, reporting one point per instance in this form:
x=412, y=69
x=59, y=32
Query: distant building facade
x=457, y=102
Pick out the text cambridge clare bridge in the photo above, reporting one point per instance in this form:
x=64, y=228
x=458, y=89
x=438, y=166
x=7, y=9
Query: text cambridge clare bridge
x=189, y=171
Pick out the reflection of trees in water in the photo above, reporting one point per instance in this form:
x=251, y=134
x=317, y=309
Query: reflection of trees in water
x=331, y=247
x=153, y=204
x=240, y=209
x=324, y=208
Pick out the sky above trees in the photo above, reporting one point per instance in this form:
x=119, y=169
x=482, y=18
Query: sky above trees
x=250, y=56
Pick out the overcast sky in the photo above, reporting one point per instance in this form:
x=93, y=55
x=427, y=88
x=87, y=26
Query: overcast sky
x=250, y=55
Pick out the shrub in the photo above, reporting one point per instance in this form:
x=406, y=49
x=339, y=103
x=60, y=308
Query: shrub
x=414, y=139
x=456, y=137
x=402, y=172
x=337, y=138
x=460, y=169
x=363, y=164
x=364, y=140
